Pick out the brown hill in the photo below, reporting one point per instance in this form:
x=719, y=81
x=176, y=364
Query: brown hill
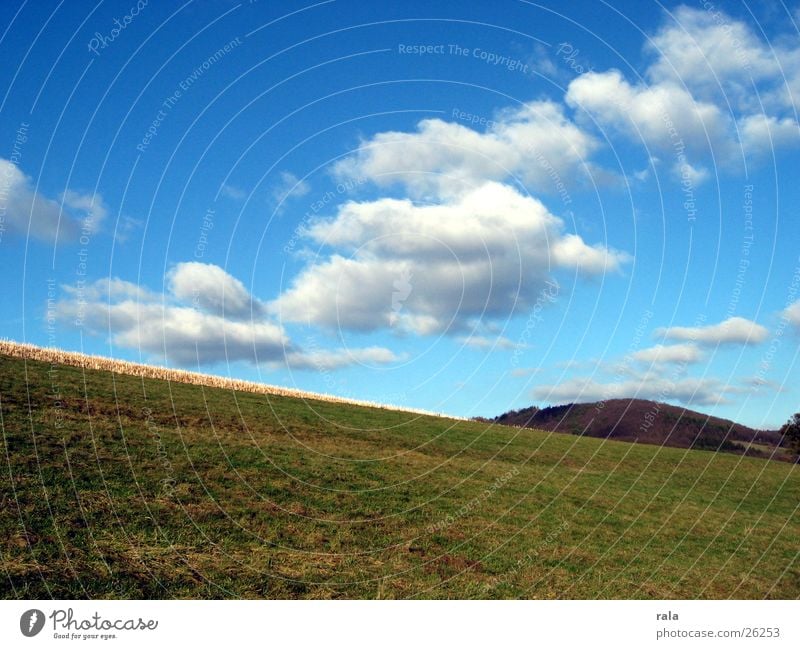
x=649, y=422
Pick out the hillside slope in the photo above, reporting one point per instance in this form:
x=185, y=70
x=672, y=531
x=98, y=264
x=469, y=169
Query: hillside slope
x=649, y=422
x=120, y=486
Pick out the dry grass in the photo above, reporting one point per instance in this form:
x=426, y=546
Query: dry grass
x=52, y=355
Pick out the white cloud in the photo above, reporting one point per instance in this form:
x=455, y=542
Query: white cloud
x=792, y=313
x=582, y=364
x=756, y=383
x=680, y=353
x=761, y=134
x=233, y=192
x=91, y=206
x=734, y=330
x=654, y=386
x=488, y=343
x=212, y=289
x=205, y=317
x=487, y=253
x=536, y=143
x=520, y=372
x=290, y=186
x=325, y=360
x=541, y=61
x=22, y=208
x=663, y=116
x=713, y=92
x=691, y=175
x=112, y=287
x=719, y=59
x=125, y=227
x=723, y=60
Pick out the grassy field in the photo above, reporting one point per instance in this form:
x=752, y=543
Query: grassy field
x=120, y=486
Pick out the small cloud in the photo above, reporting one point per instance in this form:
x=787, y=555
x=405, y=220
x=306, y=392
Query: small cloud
x=488, y=343
x=540, y=61
x=650, y=385
x=212, y=289
x=792, y=313
x=233, y=192
x=26, y=211
x=290, y=186
x=91, y=206
x=521, y=372
x=680, y=353
x=690, y=175
x=574, y=364
x=757, y=384
x=327, y=360
x=126, y=226
x=763, y=134
x=733, y=331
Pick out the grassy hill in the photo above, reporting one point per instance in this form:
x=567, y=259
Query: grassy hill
x=123, y=486
x=651, y=422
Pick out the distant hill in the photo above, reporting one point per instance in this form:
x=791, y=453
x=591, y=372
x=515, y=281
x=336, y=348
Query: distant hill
x=649, y=422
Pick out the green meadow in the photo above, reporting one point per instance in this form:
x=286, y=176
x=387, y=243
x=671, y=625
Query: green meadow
x=115, y=486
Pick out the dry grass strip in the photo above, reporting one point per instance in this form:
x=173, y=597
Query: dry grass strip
x=76, y=359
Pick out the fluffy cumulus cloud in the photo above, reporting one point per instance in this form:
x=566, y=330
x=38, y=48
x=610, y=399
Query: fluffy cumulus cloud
x=684, y=353
x=733, y=331
x=761, y=133
x=433, y=268
x=664, y=116
x=25, y=210
x=713, y=92
x=212, y=290
x=205, y=317
x=724, y=60
x=649, y=385
x=535, y=143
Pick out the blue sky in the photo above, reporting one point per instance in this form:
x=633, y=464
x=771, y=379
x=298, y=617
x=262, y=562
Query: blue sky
x=461, y=207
